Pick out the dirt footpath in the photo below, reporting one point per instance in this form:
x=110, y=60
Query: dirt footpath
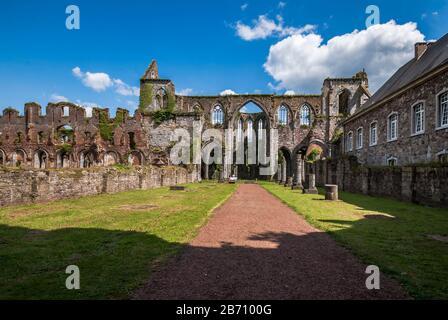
x=255, y=247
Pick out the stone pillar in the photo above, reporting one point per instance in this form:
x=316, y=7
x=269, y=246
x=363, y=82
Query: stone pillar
x=325, y=172
x=206, y=172
x=284, y=172
x=302, y=163
x=311, y=185
x=331, y=192
x=279, y=173
x=297, y=185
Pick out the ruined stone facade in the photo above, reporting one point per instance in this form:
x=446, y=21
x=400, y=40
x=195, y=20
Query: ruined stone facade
x=334, y=125
x=66, y=138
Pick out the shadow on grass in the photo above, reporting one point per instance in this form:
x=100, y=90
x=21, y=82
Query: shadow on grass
x=33, y=262
x=399, y=237
x=113, y=264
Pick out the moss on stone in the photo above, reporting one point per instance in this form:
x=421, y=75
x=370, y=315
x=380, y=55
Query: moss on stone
x=146, y=97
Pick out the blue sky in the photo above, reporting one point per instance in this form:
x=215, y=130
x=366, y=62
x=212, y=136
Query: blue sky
x=199, y=44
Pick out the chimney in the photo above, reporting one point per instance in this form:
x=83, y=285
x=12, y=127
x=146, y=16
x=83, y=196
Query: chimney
x=420, y=48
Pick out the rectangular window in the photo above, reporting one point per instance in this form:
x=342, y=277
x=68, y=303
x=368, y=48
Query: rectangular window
x=349, y=143
x=418, y=117
x=443, y=110
x=373, y=134
x=65, y=111
x=443, y=158
x=359, y=138
x=392, y=162
x=392, y=131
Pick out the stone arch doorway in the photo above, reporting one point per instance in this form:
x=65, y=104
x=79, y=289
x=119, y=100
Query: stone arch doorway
x=210, y=170
x=110, y=158
x=136, y=159
x=285, y=171
x=251, y=129
x=18, y=158
x=41, y=159
x=88, y=159
x=62, y=159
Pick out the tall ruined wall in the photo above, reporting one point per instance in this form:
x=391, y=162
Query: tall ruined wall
x=29, y=186
x=290, y=135
x=64, y=136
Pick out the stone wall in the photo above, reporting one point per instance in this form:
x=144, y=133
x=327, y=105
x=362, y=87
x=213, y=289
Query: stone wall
x=29, y=186
x=424, y=185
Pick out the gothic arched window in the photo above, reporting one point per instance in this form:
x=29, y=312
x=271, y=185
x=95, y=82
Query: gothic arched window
x=305, y=118
x=283, y=115
x=217, y=115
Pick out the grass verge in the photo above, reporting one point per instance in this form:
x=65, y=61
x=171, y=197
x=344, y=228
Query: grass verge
x=396, y=236
x=115, y=240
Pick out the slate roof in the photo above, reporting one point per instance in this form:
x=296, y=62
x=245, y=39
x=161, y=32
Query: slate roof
x=435, y=56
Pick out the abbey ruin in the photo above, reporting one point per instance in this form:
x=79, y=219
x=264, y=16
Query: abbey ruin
x=405, y=123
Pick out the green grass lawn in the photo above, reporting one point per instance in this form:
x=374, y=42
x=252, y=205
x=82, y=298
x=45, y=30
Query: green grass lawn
x=115, y=240
x=390, y=234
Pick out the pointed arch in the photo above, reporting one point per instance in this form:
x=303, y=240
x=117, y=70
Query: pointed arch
x=283, y=115
x=305, y=115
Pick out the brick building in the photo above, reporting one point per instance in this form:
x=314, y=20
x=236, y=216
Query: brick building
x=406, y=121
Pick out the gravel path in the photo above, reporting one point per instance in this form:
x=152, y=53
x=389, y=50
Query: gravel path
x=255, y=247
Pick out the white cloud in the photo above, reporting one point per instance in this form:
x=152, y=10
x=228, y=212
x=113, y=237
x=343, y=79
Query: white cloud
x=435, y=13
x=97, y=81
x=289, y=93
x=125, y=89
x=301, y=62
x=281, y=4
x=265, y=27
x=101, y=81
x=185, y=92
x=228, y=92
x=58, y=98
x=244, y=7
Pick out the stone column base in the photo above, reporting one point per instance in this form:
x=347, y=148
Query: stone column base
x=310, y=191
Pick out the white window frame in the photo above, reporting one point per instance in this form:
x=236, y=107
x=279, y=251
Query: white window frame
x=359, y=142
x=390, y=159
x=349, y=142
x=389, y=123
x=439, y=126
x=376, y=133
x=66, y=111
x=414, y=132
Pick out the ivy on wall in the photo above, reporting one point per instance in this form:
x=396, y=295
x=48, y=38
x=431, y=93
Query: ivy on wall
x=146, y=97
x=167, y=114
x=106, y=127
